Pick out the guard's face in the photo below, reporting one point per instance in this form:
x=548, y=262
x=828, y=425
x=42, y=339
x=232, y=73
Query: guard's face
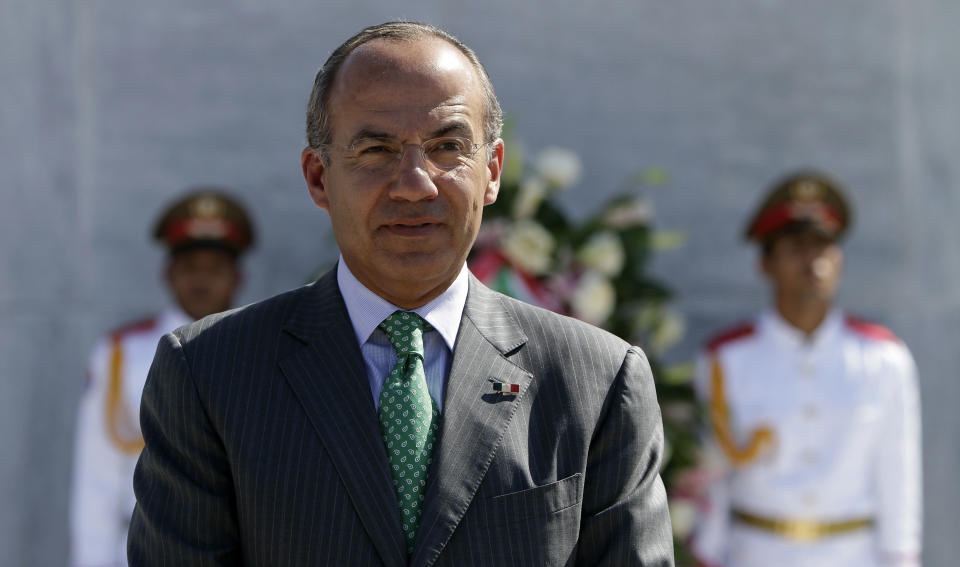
x=203, y=281
x=404, y=229
x=804, y=266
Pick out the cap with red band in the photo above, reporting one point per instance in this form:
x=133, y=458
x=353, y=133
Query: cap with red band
x=205, y=217
x=807, y=199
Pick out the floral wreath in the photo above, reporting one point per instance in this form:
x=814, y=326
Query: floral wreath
x=596, y=270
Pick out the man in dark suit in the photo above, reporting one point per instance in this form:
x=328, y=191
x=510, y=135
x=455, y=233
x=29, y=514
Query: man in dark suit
x=397, y=412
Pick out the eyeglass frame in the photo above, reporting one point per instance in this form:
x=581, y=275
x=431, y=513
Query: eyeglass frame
x=398, y=156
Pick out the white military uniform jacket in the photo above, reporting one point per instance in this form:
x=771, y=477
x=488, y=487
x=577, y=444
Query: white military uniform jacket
x=108, y=440
x=844, y=413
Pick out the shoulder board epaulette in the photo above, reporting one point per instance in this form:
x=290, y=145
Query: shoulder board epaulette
x=730, y=335
x=137, y=326
x=870, y=330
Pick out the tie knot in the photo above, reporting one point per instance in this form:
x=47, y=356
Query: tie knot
x=405, y=330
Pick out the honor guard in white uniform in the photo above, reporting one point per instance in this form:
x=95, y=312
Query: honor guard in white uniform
x=206, y=231
x=813, y=451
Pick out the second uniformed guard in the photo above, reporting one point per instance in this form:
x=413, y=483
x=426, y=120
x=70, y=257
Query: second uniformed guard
x=814, y=444
x=205, y=231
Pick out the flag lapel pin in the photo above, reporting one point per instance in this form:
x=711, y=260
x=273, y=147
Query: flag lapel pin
x=505, y=388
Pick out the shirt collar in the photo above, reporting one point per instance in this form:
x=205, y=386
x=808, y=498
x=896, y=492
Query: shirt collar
x=784, y=331
x=367, y=309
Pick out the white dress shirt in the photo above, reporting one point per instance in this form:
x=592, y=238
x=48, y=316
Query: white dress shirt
x=844, y=410
x=367, y=310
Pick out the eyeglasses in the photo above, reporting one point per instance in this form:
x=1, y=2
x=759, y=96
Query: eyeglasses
x=376, y=156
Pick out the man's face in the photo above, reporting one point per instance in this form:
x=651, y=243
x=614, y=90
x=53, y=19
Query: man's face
x=804, y=266
x=405, y=233
x=203, y=281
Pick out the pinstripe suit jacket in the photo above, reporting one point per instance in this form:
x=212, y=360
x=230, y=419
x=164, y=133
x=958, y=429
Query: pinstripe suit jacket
x=263, y=446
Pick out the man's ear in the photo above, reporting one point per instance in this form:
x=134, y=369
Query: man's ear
x=495, y=166
x=313, y=173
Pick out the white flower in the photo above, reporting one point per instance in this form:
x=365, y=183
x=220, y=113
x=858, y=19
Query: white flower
x=529, y=246
x=532, y=193
x=594, y=298
x=668, y=330
x=633, y=212
x=558, y=167
x=683, y=515
x=603, y=252
x=663, y=327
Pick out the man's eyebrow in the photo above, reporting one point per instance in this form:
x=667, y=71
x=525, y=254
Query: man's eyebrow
x=456, y=127
x=368, y=134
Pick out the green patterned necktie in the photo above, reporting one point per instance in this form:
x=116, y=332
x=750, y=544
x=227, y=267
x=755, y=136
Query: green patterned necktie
x=408, y=417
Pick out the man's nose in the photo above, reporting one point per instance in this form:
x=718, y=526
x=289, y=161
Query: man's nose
x=413, y=181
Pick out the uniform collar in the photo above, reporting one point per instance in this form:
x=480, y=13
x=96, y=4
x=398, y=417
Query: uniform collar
x=772, y=322
x=367, y=309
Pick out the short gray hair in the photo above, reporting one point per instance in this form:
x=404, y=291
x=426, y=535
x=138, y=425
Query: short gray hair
x=318, y=113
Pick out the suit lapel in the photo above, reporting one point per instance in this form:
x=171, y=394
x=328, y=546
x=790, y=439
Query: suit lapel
x=328, y=376
x=474, y=419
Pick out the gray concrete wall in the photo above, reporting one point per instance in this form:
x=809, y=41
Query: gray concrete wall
x=108, y=108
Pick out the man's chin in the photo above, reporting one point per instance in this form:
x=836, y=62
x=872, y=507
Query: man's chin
x=817, y=296
x=423, y=267
x=422, y=262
